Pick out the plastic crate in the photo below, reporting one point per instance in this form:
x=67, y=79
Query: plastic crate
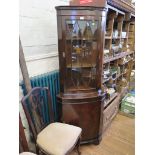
x=128, y=106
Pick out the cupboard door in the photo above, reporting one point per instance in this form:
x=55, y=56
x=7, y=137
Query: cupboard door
x=85, y=115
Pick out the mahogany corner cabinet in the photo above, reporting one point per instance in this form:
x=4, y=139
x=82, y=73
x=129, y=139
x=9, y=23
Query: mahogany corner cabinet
x=80, y=45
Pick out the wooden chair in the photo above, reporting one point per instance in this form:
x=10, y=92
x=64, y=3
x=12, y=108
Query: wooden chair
x=51, y=138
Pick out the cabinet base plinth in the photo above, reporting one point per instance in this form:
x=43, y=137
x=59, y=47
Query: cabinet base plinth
x=95, y=141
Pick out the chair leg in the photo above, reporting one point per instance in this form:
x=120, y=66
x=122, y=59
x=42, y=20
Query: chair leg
x=37, y=149
x=78, y=146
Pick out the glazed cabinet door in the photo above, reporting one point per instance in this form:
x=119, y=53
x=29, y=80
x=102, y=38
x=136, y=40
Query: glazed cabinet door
x=81, y=52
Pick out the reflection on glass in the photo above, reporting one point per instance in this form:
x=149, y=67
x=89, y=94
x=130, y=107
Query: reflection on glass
x=81, y=53
x=87, y=32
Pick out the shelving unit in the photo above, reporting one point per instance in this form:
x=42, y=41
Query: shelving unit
x=109, y=32
x=131, y=37
x=118, y=60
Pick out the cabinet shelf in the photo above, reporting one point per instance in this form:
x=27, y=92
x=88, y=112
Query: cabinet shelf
x=132, y=23
x=123, y=54
x=124, y=73
x=116, y=38
x=118, y=76
x=107, y=102
x=108, y=37
x=124, y=38
x=84, y=39
x=104, y=81
x=124, y=63
x=82, y=65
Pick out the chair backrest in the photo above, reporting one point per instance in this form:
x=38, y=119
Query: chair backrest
x=36, y=104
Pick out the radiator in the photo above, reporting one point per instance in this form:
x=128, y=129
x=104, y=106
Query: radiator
x=50, y=80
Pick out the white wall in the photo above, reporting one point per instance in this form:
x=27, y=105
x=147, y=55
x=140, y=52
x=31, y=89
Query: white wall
x=38, y=34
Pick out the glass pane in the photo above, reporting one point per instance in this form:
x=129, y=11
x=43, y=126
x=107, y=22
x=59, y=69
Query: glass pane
x=81, y=54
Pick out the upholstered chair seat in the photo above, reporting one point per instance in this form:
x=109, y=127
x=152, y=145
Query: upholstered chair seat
x=27, y=153
x=58, y=138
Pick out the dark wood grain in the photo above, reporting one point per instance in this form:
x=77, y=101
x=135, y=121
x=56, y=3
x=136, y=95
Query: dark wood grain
x=23, y=145
x=34, y=104
x=85, y=113
x=81, y=105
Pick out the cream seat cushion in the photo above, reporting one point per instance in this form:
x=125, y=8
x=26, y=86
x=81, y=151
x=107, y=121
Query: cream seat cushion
x=58, y=138
x=27, y=153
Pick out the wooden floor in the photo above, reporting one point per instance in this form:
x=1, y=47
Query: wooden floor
x=119, y=139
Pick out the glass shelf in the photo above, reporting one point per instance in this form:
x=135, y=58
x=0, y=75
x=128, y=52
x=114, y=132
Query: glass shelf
x=84, y=39
x=76, y=65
